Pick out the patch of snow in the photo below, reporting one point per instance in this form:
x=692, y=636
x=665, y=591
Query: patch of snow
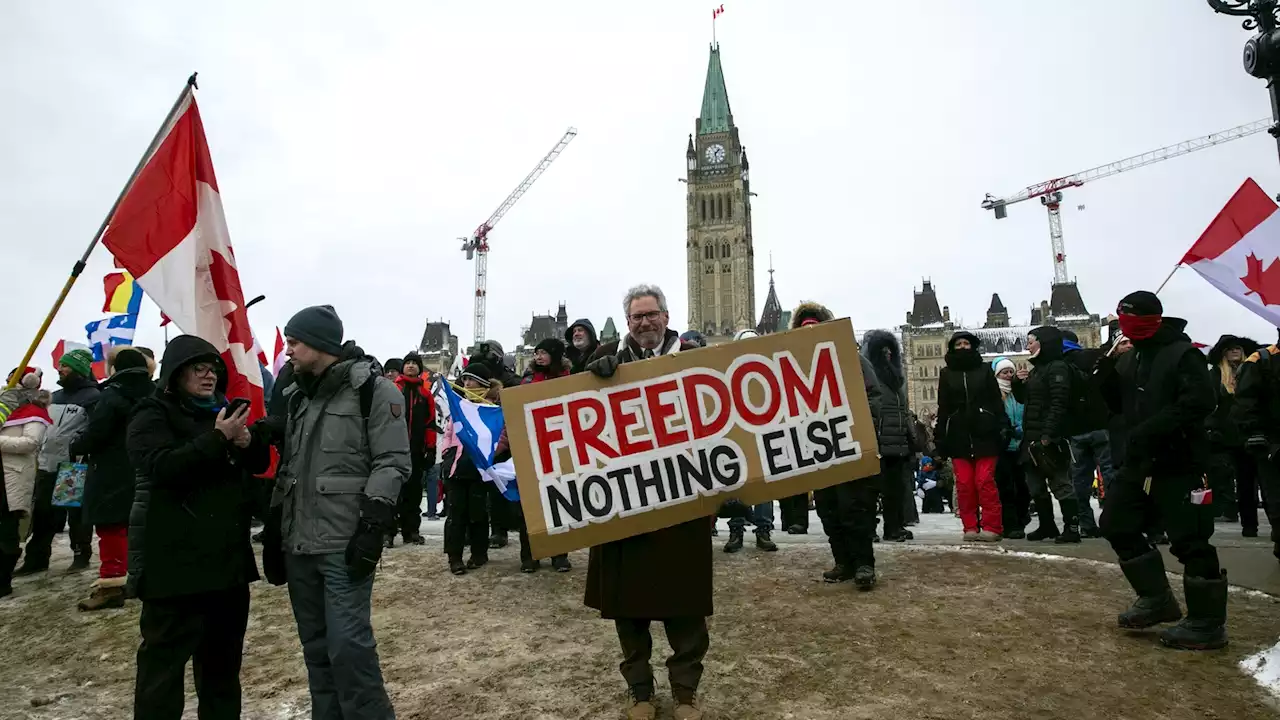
x=1264, y=668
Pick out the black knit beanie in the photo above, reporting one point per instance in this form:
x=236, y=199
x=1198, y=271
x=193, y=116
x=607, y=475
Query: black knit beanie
x=412, y=357
x=552, y=347
x=318, y=327
x=129, y=358
x=1141, y=302
x=394, y=365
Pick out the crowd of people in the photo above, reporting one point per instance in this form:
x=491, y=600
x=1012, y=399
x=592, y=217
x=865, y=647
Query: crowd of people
x=177, y=479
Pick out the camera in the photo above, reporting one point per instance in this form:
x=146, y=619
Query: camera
x=1262, y=54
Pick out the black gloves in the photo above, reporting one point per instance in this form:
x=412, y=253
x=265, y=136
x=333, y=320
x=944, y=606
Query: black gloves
x=270, y=429
x=364, y=550
x=273, y=547
x=603, y=367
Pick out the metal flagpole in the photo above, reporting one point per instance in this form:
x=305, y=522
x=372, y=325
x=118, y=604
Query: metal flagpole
x=1167, y=279
x=79, y=267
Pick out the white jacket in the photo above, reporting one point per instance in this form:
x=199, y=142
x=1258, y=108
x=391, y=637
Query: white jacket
x=19, y=444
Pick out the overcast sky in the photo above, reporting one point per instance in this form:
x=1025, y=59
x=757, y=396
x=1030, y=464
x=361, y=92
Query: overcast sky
x=354, y=142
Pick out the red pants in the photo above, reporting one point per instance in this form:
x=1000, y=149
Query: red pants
x=113, y=550
x=976, y=488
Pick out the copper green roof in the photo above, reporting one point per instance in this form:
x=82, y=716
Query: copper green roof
x=716, y=116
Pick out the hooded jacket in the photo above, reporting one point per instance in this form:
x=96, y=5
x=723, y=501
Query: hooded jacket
x=578, y=358
x=972, y=422
x=333, y=457
x=1224, y=431
x=1046, y=392
x=1162, y=388
x=897, y=432
x=194, y=495
x=809, y=310
x=1096, y=415
x=108, y=488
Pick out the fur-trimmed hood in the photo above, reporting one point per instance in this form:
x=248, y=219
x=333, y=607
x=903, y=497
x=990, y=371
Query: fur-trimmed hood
x=809, y=309
x=890, y=372
x=1226, y=342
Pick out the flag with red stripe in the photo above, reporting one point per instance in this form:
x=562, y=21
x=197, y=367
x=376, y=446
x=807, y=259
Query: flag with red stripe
x=1239, y=253
x=170, y=233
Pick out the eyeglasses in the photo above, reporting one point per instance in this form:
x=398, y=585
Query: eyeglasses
x=204, y=369
x=642, y=317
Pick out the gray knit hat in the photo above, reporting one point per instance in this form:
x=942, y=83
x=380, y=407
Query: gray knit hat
x=317, y=326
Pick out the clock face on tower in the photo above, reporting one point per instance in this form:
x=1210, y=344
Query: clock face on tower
x=715, y=153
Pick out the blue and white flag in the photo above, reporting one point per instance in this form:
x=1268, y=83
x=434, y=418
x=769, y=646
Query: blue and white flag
x=115, y=330
x=478, y=427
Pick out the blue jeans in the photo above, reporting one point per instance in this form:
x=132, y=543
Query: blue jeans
x=433, y=490
x=341, y=655
x=762, y=519
x=1088, y=451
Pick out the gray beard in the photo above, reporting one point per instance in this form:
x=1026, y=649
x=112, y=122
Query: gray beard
x=581, y=343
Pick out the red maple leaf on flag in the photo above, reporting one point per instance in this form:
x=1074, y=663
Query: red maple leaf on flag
x=1265, y=283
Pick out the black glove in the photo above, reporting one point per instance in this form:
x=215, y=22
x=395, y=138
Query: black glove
x=273, y=547
x=1256, y=443
x=364, y=550
x=603, y=367
x=270, y=429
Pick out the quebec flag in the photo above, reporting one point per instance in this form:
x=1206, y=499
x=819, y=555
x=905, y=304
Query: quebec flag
x=477, y=428
x=115, y=330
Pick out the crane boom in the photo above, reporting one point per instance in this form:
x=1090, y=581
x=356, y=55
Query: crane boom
x=1050, y=191
x=477, y=245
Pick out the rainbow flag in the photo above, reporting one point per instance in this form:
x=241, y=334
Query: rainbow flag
x=124, y=297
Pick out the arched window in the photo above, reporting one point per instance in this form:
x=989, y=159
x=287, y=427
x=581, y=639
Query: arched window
x=720, y=206
x=728, y=207
x=724, y=249
x=704, y=207
x=709, y=252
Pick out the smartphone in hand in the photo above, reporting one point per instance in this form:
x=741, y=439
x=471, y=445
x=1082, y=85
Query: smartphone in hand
x=235, y=405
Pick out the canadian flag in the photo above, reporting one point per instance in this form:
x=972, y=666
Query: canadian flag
x=65, y=346
x=169, y=232
x=1239, y=253
x=281, y=358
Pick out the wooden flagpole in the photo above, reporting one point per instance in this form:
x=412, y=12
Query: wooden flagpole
x=80, y=265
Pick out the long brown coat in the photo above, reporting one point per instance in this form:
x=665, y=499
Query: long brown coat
x=654, y=576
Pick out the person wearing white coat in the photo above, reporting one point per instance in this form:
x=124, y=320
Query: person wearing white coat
x=20, y=439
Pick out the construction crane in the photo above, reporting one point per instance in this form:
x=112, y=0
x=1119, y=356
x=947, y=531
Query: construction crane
x=477, y=246
x=1050, y=191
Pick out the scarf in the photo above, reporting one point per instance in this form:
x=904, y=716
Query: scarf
x=1139, y=327
x=1006, y=386
x=29, y=413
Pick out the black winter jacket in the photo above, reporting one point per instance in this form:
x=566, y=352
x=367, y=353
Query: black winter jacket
x=1224, y=431
x=1257, y=407
x=1046, y=392
x=1163, y=389
x=189, y=526
x=108, y=489
x=1096, y=415
x=897, y=430
x=971, y=421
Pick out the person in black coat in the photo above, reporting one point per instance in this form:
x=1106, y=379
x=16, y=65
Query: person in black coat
x=108, y=488
x=971, y=429
x=896, y=438
x=190, y=559
x=1162, y=388
x=1047, y=424
x=1090, y=444
x=1232, y=474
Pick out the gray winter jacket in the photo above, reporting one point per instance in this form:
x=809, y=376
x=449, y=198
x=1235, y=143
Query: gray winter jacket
x=330, y=463
x=70, y=414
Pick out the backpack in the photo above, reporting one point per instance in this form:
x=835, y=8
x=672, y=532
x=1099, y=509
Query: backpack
x=1078, y=403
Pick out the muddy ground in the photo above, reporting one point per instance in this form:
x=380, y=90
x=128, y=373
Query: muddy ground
x=947, y=635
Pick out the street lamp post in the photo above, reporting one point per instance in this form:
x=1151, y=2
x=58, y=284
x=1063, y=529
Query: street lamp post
x=1262, y=51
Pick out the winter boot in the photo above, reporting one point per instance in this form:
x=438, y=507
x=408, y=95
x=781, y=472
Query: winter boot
x=560, y=563
x=797, y=530
x=989, y=537
x=414, y=539
x=735, y=541
x=530, y=566
x=1156, y=603
x=763, y=542
x=686, y=711
x=498, y=539
x=837, y=574
x=79, y=561
x=1015, y=534
x=107, y=593
x=1048, y=529
x=902, y=536
x=1205, y=626
x=642, y=710
x=477, y=560
x=864, y=578
x=389, y=541
x=1070, y=522
x=715, y=531
x=456, y=566
x=30, y=567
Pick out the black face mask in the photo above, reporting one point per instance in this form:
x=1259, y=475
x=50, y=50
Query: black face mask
x=963, y=359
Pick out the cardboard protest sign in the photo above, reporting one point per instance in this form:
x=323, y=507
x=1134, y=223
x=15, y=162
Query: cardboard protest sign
x=667, y=440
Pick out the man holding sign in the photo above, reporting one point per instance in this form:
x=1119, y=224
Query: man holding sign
x=634, y=468
x=664, y=575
